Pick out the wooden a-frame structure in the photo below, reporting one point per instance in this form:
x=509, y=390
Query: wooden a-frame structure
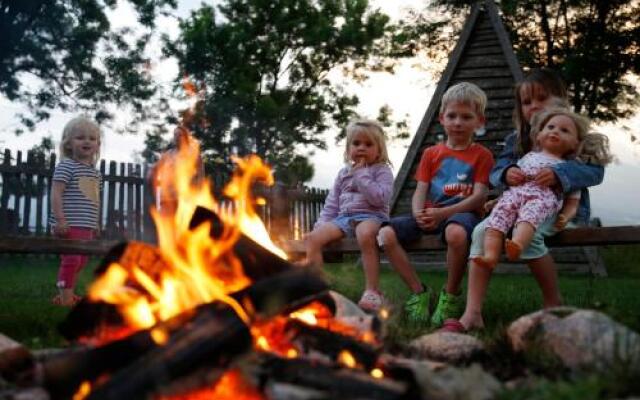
x=484, y=56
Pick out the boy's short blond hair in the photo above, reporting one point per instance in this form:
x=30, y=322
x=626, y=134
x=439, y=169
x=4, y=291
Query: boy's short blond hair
x=374, y=130
x=467, y=93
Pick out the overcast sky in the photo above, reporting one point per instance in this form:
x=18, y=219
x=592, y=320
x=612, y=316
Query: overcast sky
x=408, y=92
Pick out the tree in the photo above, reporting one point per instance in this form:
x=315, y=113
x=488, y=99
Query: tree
x=62, y=54
x=592, y=43
x=260, y=71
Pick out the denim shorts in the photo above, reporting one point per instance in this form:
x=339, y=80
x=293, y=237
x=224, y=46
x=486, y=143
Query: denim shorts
x=407, y=229
x=536, y=249
x=347, y=222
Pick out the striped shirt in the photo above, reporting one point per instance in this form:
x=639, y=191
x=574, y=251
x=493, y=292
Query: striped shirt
x=81, y=196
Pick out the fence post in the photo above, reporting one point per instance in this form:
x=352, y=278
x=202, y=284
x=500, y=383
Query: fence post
x=280, y=206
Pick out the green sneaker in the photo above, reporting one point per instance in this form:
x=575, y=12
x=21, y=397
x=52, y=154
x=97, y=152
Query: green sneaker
x=418, y=306
x=449, y=306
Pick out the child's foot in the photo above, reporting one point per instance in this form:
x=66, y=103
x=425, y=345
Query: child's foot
x=371, y=300
x=484, y=262
x=418, y=306
x=449, y=307
x=513, y=250
x=66, y=298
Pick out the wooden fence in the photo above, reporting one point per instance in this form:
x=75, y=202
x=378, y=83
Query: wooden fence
x=125, y=194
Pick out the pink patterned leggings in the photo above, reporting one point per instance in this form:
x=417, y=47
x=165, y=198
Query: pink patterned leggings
x=522, y=206
x=71, y=264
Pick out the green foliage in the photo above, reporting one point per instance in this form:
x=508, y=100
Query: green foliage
x=261, y=72
x=77, y=61
x=592, y=43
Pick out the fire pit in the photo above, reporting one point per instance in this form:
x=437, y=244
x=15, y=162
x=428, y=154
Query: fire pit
x=214, y=311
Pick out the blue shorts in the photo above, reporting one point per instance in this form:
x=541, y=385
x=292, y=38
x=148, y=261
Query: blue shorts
x=535, y=250
x=407, y=229
x=347, y=222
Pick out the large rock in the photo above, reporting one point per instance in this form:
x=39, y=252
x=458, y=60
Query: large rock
x=451, y=383
x=580, y=339
x=447, y=346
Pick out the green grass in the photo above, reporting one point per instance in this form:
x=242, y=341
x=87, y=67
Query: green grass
x=27, y=286
x=508, y=296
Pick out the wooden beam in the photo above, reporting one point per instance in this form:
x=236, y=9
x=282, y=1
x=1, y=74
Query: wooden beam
x=587, y=236
x=52, y=245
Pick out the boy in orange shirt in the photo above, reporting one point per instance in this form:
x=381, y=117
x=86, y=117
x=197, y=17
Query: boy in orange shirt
x=453, y=179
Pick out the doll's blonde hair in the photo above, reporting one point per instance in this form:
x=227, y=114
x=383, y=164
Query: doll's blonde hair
x=594, y=149
x=372, y=129
x=75, y=126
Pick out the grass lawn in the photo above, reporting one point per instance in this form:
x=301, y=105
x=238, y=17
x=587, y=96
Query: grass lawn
x=27, y=315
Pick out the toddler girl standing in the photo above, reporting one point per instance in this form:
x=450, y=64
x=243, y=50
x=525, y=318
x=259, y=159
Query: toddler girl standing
x=358, y=202
x=75, y=199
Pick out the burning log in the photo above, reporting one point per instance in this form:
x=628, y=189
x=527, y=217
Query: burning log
x=212, y=339
x=88, y=318
x=333, y=344
x=196, y=332
x=331, y=381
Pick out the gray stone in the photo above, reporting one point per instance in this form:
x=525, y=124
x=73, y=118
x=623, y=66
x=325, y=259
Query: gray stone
x=580, y=339
x=447, y=346
x=451, y=383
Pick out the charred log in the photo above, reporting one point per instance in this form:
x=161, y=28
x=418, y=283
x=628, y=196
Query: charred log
x=332, y=343
x=271, y=296
x=342, y=383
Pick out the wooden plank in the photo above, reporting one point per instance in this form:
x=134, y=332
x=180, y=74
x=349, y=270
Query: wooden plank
x=584, y=236
x=17, y=194
x=53, y=245
x=139, y=202
x=52, y=165
x=121, y=194
x=111, y=200
x=28, y=191
x=40, y=190
x=131, y=233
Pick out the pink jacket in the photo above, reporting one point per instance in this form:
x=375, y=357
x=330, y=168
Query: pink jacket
x=366, y=190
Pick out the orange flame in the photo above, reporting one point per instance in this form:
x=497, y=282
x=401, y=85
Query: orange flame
x=200, y=269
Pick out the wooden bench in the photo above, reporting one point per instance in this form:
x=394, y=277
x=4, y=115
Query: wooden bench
x=587, y=236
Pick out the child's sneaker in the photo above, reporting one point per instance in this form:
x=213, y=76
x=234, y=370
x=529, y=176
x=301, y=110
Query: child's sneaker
x=371, y=300
x=449, y=307
x=418, y=306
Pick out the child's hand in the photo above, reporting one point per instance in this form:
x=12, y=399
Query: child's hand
x=515, y=176
x=61, y=228
x=546, y=177
x=359, y=163
x=561, y=222
x=431, y=218
x=488, y=206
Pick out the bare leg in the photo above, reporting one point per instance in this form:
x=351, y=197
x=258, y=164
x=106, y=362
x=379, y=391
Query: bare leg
x=479, y=277
x=545, y=272
x=457, y=251
x=366, y=233
x=521, y=238
x=317, y=239
x=492, y=247
x=399, y=259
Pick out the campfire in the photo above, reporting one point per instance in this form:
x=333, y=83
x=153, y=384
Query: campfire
x=214, y=311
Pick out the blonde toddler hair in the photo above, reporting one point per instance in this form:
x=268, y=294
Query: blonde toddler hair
x=75, y=126
x=372, y=129
x=467, y=93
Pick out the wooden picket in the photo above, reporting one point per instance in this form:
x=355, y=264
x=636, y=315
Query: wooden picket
x=125, y=198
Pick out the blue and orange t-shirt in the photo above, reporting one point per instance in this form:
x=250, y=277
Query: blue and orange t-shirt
x=451, y=174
